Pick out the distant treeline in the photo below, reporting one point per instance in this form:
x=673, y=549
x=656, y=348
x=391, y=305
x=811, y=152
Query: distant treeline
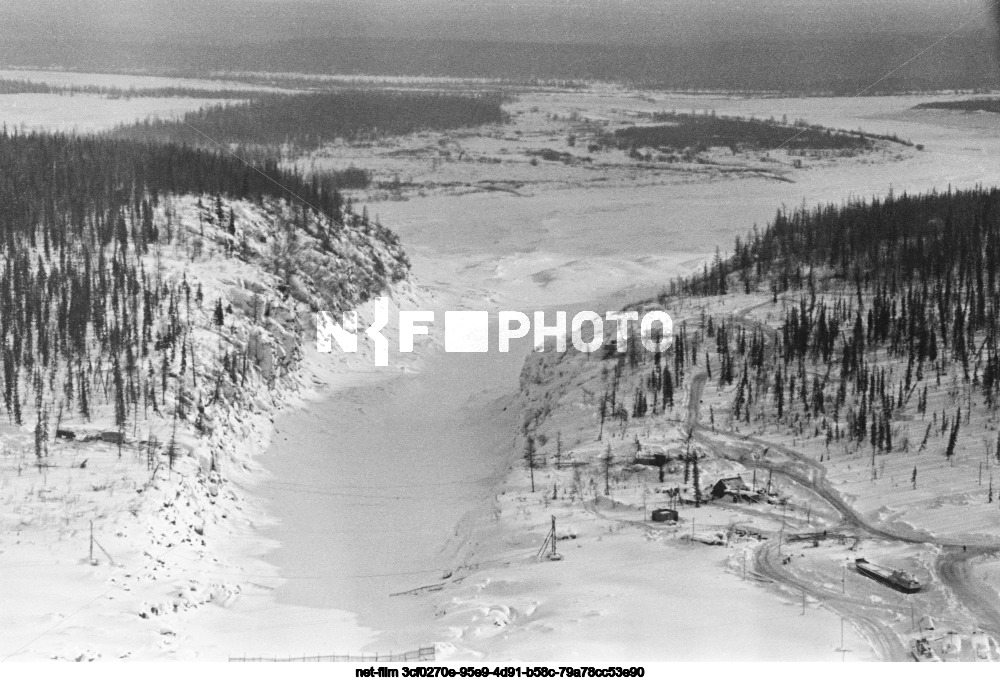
x=309, y=120
x=705, y=131
x=10, y=86
x=862, y=64
x=322, y=82
x=969, y=105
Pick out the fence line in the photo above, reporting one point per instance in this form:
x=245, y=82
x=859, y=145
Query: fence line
x=424, y=654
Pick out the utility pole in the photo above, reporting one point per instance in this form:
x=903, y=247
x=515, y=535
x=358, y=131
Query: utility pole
x=91, y=542
x=553, y=537
x=781, y=532
x=843, y=650
x=692, y=529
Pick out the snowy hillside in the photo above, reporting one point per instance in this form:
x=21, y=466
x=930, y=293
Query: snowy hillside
x=147, y=342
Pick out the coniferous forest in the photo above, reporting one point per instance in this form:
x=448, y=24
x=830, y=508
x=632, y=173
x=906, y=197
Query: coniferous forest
x=880, y=302
x=991, y=105
x=679, y=131
x=860, y=330
x=88, y=319
x=307, y=121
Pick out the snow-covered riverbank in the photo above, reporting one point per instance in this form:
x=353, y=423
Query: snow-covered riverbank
x=545, y=246
x=347, y=484
x=171, y=569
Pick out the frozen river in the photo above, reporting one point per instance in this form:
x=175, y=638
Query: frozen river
x=372, y=484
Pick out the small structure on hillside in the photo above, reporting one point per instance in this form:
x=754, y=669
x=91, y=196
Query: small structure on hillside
x=113, y=437
x=663, y=515
x=734, y=488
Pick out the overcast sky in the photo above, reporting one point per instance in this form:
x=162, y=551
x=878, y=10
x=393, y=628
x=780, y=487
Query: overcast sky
x=641, y=21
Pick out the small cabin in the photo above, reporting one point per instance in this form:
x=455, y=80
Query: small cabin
x=663, y=515
x=734, y=488
x=113, y=437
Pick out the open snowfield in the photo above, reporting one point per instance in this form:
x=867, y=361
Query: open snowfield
x=87, y=113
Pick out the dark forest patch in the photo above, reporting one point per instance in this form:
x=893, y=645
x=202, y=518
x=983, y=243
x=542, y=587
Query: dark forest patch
x=309, y=120
x=676, y=131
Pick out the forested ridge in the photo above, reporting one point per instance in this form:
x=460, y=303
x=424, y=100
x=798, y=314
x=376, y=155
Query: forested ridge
x=66, y=172
x=864, y=333
x=882, y=301
x=872, y=324
x=89, y=317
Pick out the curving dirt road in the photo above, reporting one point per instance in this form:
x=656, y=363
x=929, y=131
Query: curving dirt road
x=952, y=567
x=885, y=642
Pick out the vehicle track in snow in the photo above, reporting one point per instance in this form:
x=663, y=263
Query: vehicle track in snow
x=953, y=565
x=883, y=640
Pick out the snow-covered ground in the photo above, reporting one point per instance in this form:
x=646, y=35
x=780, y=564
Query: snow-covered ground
x=86, y=113
x=173, y=571
x=567, y=240
x=558, y=239
x=348, y=501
